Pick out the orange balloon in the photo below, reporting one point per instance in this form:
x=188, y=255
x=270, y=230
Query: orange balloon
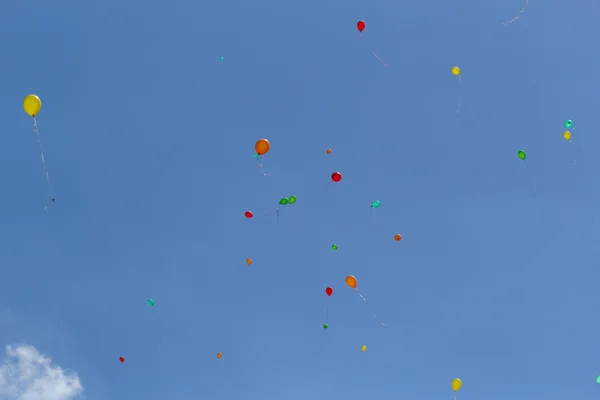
x=219, y=355
x=262, y=147
x=398, y=237
x=351, y=281
x=328, y=151
x=248, y=261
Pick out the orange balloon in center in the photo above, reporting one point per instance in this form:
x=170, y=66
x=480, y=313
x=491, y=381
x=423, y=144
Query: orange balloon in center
x=328, y=151
x=219, y=355
x=262, y=147
x=351, y=281
x=248, y=261
x=398, y=237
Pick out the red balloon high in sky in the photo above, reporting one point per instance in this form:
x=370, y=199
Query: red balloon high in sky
x=336, y=177
x=121, y=359
x=329, y=291
x=360, y=25
x=249, y=214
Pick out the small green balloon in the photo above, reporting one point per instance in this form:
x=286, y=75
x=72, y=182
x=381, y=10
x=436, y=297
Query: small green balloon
x=284, y=201
x=325, y=326
x=568, y=124
x=598, y=379
x=334, y=246
x=222, y=58
x=256, y=156
x=292, y=199
x=522, y=155
x=375, y=204
x=150, y=302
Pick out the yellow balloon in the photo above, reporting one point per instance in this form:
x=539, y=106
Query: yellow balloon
x=455, y=71
x=364, y=348
x=456, y=384
x=567, y=135
x=32, y=105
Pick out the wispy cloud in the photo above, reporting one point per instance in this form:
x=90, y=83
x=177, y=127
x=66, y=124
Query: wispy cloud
x=26, y=374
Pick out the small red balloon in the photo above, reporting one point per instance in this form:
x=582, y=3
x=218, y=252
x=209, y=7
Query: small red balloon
x=329, y=291
x=249, y=214
x=336, y=177
x=121, y=359
x=360, y=25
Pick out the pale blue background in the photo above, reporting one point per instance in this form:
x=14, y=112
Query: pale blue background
x=149, y=140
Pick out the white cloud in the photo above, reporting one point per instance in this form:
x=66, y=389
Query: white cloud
x=26, y=374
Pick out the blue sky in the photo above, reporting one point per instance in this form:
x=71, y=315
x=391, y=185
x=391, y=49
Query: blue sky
x=149, y=142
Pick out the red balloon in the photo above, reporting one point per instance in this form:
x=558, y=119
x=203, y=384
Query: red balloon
x=336, y=177
x=360, y=25
x=121, y=359
x=329, y=291
x=249, y=214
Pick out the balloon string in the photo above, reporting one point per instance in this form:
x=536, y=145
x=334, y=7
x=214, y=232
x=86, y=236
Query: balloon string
x=37, y=134
x=376, y=56
x=530, y=179
x=519, y=14
x=459, y=94
x=365, y=300
x=261, y=167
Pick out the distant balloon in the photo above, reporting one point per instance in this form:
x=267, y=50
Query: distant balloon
x=262, y=147
x=32, y=105
x=249, y=214
x=351, y=281
x=219, y=355
x=456, y=384
x=325, y=326
x=150, y=302
x=364, y=348
x=397, y=237
x=567, y=135
x=284, y=201
x=329, y=291
x=121, y=359
x=334, y=246
x=328, y=151
x=522, y=155
x=568, y=124
x=336, y=177
x=221, y=59
x=375, y=204
x=598, y=379
x=292, y=199
x=455, y=71
x=249, y=261
x=360, y=25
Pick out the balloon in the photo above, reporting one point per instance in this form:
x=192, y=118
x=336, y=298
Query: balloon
x=334, y=246
x=328, y=151
x=121, y=359
x=397, y=237
x=325, y=326
x=219, y=355
x=283, y=201
x=375, y=204
x=329, y=291
x=262, y=147
x=360, y=25
x=32, y=105
x=522, y=155
x=598, y=379
x=150, y=302
x=249, y=261
x=256, y=156
x=568, y=124
x=364, y=348
x=221, y=59
x=249, y=214
x=292, y=199
x=455, y=71
x=456, y=384
x=336, y=177
x=567, y=135
x=351, y=281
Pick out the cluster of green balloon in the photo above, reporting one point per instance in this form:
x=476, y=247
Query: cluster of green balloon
x=286, y=201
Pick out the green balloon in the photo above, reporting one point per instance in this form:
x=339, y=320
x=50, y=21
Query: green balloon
x=325, y=326
x=150, y=302
x=375, y=204
x=522, y=155
x=284, y=201
x=222, y=58
x=568, y=123
x=256, y=156
x=334, y=246
x=292, y=199
x=598, y=379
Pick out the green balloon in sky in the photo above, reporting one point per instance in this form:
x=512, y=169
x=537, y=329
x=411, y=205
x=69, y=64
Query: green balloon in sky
x=375, y=204
x=150, y=302
x=292, y=199
x=568, y=124
x=325, y=326
x=284, y=201
x=522, y=155
x=598, y=379
x=256, y=156
x=334, y=246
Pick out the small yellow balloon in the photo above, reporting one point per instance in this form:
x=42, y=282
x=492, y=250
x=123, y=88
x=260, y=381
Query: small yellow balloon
x=364, y=348
x=567, y=135
x=32, y=105
x=456, y=384
x=455, y=71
